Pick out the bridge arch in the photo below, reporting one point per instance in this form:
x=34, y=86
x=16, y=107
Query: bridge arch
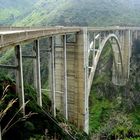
x=117, y=70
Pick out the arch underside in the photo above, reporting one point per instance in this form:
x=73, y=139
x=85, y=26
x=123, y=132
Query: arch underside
x=117, y=70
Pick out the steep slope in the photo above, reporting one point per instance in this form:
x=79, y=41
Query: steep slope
x=83, y=13
x=10, y=10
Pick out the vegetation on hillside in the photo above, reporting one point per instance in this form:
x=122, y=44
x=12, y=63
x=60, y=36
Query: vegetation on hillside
x=37, y=123
x=11, y=11
x=83, y=13
x=69, y=12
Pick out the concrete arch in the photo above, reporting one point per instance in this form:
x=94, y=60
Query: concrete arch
x=117, y=68
x=118, y=63
x=116, y=47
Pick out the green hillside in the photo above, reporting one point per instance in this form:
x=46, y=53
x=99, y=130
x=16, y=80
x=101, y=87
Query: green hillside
x=69, y=12
x=83, y=13
x=10, y=10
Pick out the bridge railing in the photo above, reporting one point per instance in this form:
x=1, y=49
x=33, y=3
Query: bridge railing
x=11, y=37
x=12, y=28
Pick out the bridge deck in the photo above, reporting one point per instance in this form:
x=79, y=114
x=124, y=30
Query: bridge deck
x=13, y=35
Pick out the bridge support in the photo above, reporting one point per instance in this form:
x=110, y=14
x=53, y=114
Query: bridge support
x=52, y=73
x=135, y=35
x=77, y=81
x=138, y=34
x=125, y=38
x=37, y=79
x=59, y=74
x=65, y=78
x=86, y=86
x=19, y=77
x=117, y=69
x=126, y=54
x=69, y=70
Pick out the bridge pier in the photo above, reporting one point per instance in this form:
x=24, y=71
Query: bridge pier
x=138, y=34
x=19, y=77
x=77, y=56
x=37, y=78
x=126, y=54
x=59, y=75
x=65, y=78
x=52, y=73
x=69, y=70
x=135, y=35
x=117, y=69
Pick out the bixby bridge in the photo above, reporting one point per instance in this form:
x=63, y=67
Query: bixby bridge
x=74, y=55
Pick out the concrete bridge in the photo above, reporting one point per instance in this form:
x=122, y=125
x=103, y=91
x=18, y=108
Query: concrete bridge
x=74, y=55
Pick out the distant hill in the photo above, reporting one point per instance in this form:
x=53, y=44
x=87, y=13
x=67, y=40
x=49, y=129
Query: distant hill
x=11, y=10
x=71, y=12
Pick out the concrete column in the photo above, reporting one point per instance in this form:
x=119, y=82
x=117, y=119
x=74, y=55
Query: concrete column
x=135, y=37
x=60, y=74
x=70, y=79
x=117, y=70
x=72, y=82
x=126, y=51
x=65, y=79
x=0, y=133
x=131, y=43
x=121, y=38
x=37, y=78
x=53, y=83
x=82, y=80
x=138, y=34
x=19, y=77
x=117, y=33
x=86, y=108
x=94, y=50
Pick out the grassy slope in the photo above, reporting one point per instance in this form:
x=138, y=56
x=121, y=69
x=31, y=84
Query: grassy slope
x=89, y=12
x=10, y=10
x=44, y=12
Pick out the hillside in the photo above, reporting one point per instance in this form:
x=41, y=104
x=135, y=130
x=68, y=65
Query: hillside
x=69, y=12
x=10, y=10
x=82, y=13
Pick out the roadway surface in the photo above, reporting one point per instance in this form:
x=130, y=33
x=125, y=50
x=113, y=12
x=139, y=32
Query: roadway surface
x=10, y=36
